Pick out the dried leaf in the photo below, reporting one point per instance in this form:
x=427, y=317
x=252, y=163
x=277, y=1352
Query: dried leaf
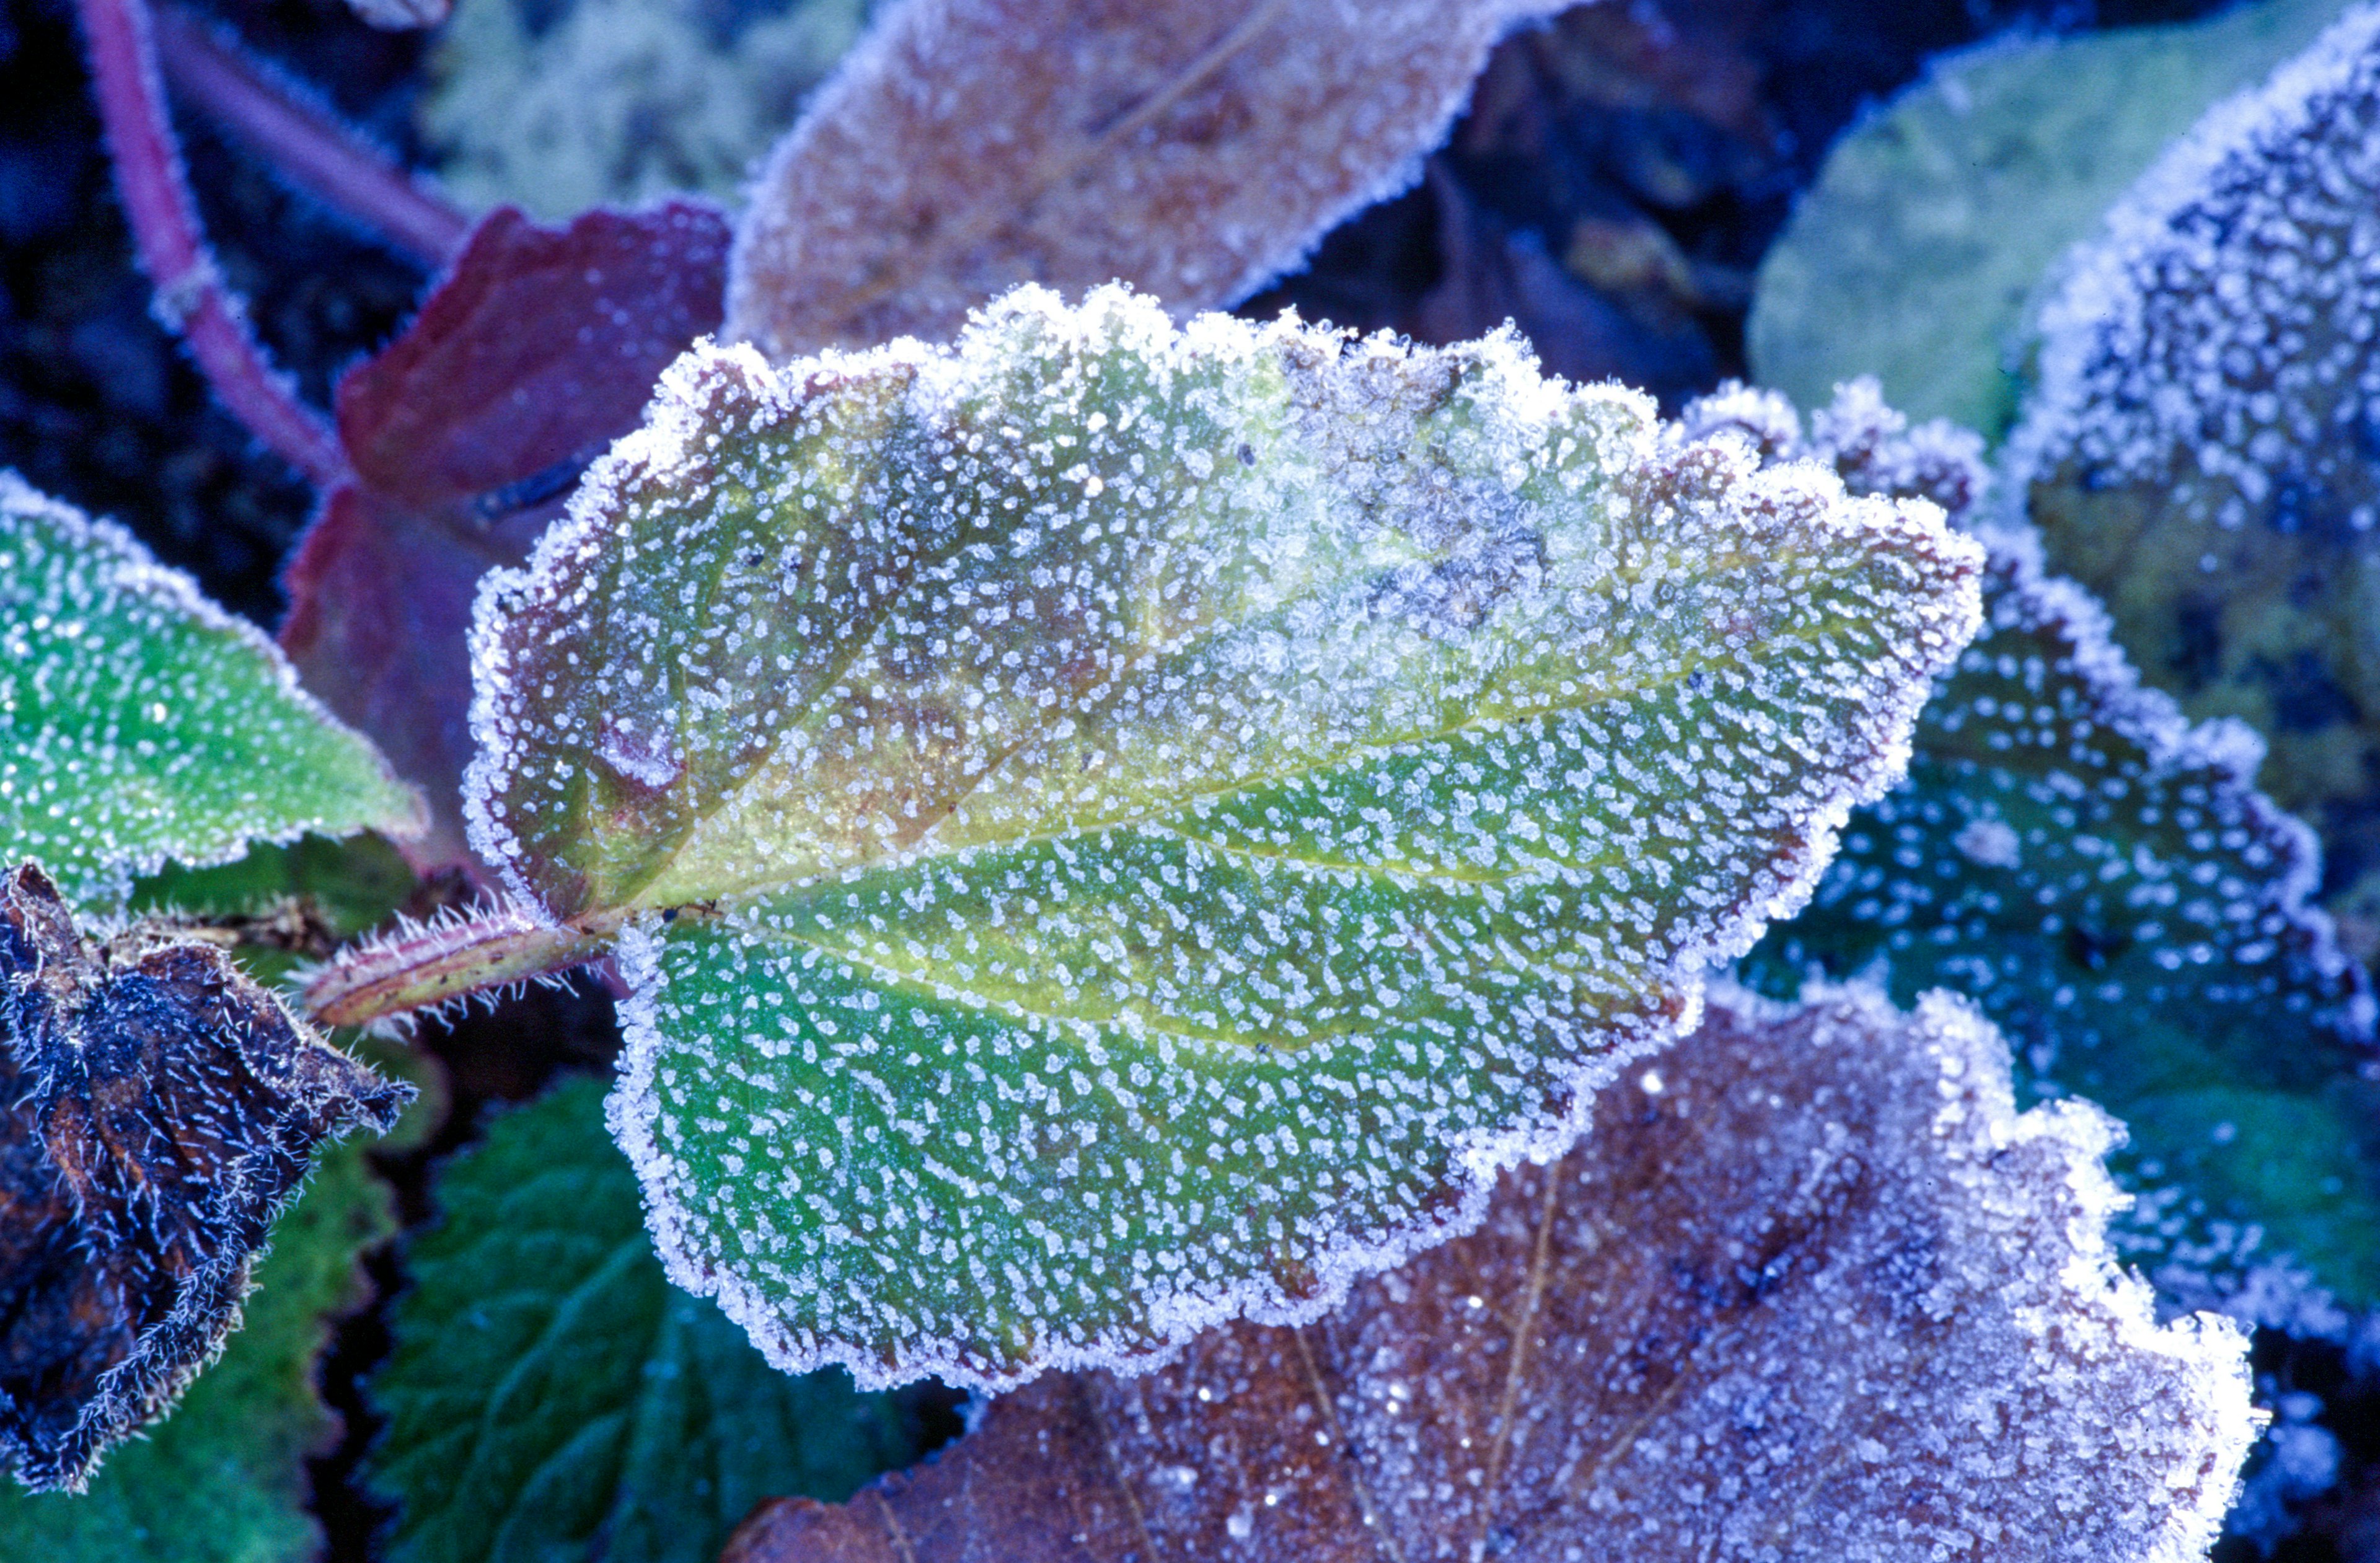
x=224, y=1479
x=538, y=349
x=968, y=146
x=1809, y=1288
x=157, y=1111
x=1141, y=824
x=2204, y=447
x=140, y=723
x=551, y=1393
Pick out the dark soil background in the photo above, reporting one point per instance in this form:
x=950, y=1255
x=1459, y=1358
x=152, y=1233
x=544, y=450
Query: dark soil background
x=1611, y=191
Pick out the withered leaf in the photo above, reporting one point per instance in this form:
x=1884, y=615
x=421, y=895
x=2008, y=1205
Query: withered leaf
x=465, y=434
x=157, y=1111
x=1810, y=1288
x=1192, y=149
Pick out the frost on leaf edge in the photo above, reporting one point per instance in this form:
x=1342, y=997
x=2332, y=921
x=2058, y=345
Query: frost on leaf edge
x=1479, y=1157
x=2208, y=1348
x=2095, y=307
x=2230, y=747
x=134, y=570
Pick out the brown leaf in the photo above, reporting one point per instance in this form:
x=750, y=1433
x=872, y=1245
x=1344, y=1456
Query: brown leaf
x=1193, y=150
x=157, y=1111
x=466, y=434
x=1810, y=1288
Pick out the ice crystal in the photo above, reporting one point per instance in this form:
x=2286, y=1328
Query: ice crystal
x=1810, y=1288
x=1161, y=817
x=2106, y=881
x=1192, y=152
x=138, y=722
x=2201, y=449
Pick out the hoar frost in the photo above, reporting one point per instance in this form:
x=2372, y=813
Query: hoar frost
x=1120, y=826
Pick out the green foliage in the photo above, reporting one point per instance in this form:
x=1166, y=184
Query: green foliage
x=2109, y=887
x=353, y=883
x=1146, y=822
x=551, y=1396
x=1919, y=255
x=142, y=723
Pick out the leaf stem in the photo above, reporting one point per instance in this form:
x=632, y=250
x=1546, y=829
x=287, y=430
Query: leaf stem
x=191, y=297
x=305, y=143
x=425, y=966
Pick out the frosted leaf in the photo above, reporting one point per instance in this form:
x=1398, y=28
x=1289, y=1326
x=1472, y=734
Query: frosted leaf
x=535, y=350
x=2107, y=882
x=1920, y=253
x=2201, y=449
x=1161, y=815
x=1195, y=152
x=157, y=1111
x=1809, y=1288
x=143, y=723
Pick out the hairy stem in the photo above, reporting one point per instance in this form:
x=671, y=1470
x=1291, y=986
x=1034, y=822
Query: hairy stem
x=304, y=142
x=192, y=298
x=423, y=966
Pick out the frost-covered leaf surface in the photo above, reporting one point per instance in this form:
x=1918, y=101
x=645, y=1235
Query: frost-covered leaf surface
x=1159, y=816
x=539, y=348
x=2107, y=882
x=160, y=1110
x=2201, y=448
x=1920, y=254
x=223, y=1479
x=557, y=109
x=1192, y=150
x=1810, y=1288
x=140, y=723
x=551, y=1394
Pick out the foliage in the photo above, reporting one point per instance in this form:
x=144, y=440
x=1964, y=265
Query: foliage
x=1809, y=1288
x=157, y=1111
x=1167, y=814
x=551, y=1394
x=559, y=109
x=144, y=724
x=2108, y=884
x=537, y=349
x=223, y=1479
x=2201, y=448
x=1074, y=143
x=1919, y=256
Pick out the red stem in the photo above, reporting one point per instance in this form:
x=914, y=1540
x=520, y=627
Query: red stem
x=304, y=144
x=191, y=297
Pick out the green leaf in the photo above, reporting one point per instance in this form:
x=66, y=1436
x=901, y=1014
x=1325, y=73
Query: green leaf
x=353, y=884
x=2109, y=885
x=143, y=723
x=1126, y=827
x=551, y=1396
x=223, y=1479
x=1919, y=254
x=2203, y=449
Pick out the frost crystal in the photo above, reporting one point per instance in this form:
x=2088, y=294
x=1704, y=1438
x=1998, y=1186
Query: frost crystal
x=140, y=723
x=2107, y=882
x=2204, y=447
x=1824, y=1295
x=1126, y=827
